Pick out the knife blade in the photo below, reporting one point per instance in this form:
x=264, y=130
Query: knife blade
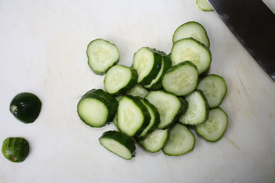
x=253, y=24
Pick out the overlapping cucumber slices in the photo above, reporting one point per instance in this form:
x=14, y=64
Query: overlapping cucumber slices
x=155, y=100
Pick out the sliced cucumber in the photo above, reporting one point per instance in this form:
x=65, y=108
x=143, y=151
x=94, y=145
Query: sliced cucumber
x=147, y=62
x=215, y=126
x=154, y=141
x=204, y=5
x=132, y=116
x=189, y=49
x=97, y=107
x=181, y=141
x=101, y=55
x=181, y=79
x=156, y=83
x=115, y=120
x=120, y=79
x=137, y=91
x=119, y=144
x=155, y=117
x=214, y=88
x=194, y=30
x=197, y=111
x=168, y=105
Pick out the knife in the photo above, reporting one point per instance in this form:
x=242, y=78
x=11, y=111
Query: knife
x=253, y=24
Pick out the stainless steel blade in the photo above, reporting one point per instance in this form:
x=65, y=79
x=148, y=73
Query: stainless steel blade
x=253, y=24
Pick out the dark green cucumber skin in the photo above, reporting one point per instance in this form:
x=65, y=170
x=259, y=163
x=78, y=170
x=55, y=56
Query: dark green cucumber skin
x=97, y=72
x=141, y=138
x=155, y=69
x=15, y=149
x=173, y=68
x=196, y=23
x=144, y=110
x=167, y=64
x=122, y=139
x=107, y=99
x=27, y=105
x=201, y=44
x=206, y=104
x=184, y=104
x=132, y=82
x=208, y=140
x=156, y=113
x=214, y=75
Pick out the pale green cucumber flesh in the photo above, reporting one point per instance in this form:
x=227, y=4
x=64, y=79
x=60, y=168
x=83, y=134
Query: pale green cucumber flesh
x=154, y=141
x=197, y=111
x=181, y=141
x=118, y=143
x=132, y=116
x=189, y=49
x=214, y=88
x=137, y=91
x=181, y=79
x=120, y=79
x=168, y=105
x=147, y=62
x=215, y=126
x=204, y=5
x=101, y=55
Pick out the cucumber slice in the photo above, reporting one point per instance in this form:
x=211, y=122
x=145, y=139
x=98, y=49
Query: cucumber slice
x=132, y=116
x=115, y=120
x=120, y=79
x=189, y=49
x=204, y=5
x=155, y=117
x=197, y=111
x=147, y=62
x=168, y=105
x=154, y=141
x=156, y=83
x=101, y=55
x=214, y=88
x=119, y=144
x=97, y=107
x=194, y=30
x=181, y=141
x=215, y=126
x=137, y=91
x=181, y=79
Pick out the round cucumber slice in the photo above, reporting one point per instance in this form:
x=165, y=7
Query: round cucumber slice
x=181, y=141
x=120, y=79
x=147, y=62
x=102, y=55
x=192, y=29
x=119, y=144
x=97, y=107
x=189, y=49
x=215, y=126
x=181, y=79
x=214, y=88
x=197, y=111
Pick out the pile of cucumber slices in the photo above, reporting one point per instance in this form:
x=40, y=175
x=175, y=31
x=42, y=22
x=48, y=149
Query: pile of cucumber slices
x=155, y=101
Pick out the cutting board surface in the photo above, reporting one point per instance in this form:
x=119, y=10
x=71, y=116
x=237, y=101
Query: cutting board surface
x=43, y=51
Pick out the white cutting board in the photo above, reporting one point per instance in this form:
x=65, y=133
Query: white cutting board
x=43, y=51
